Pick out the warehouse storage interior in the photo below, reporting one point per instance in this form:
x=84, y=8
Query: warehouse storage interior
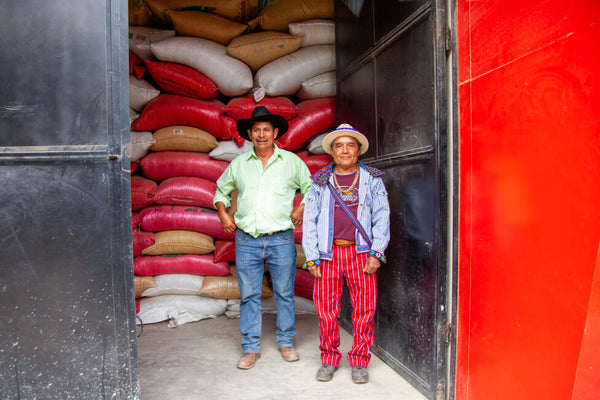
x=193, y=74
x=129, y=195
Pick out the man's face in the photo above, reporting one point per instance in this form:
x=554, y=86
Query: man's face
x=345, y=151
x=262, y=135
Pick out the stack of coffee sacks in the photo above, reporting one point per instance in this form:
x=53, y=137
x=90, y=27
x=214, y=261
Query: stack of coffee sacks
x=189, y=86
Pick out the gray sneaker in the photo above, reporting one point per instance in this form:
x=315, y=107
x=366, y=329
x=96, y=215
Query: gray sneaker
x=325, y=372
x=360, y=374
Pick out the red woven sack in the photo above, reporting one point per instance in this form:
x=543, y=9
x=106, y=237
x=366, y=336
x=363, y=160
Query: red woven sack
x=186, y=191
x=241, y=107
x=143, y=191
x=303, y=286
x=314, y=162
x=314, y=116
x=136, y=66
x=136, y=220
x=180, y=79
x=167, y=164
x=197, y=219
x=298, y=234
x=171, y=109
x=141, y=240
x=224, y=250
x=194, y=264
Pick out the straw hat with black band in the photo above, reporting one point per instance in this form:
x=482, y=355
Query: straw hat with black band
x=345, y=130
x=262, y=114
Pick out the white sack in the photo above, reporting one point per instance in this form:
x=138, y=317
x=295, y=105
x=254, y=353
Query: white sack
x=315, y=31
x=284, y=76
x=232, y=76
x=175, y=284
x=140, y=93
x=227, y=150
x=322, y=85
x=139, y=143
x=141, y=37
x=315, y=146
x=133, y=115
x=179, y=309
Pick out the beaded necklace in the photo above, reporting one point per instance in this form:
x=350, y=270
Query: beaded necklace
x=350, y=188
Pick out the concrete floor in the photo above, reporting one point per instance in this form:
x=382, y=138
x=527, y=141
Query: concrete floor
x=198, y=361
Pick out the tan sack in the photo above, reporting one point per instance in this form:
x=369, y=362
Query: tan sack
x=183, y=138
x=226, y=287
x=315, y=31
x=234, y=10
x=139, y=13
x=139, y=143
x=141, y=284
x=278, y=14
x=180, y=242
x=258, y=49
x=232, y=76
x=208, y=26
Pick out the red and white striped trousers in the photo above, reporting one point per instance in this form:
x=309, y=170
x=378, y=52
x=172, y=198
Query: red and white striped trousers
x=327, y=293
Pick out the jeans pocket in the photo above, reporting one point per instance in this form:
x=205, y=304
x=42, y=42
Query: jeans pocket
x=286, y=236
x=241, y=237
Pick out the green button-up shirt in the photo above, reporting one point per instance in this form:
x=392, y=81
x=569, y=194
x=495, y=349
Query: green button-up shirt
x=266, y=195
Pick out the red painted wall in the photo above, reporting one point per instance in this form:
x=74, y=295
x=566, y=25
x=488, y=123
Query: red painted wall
x=529, y=126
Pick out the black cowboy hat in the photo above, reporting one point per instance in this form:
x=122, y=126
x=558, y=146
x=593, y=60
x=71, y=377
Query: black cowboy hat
x=262, y=114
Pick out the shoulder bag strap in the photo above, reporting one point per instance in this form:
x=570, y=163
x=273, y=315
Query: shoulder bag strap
x=349, y=212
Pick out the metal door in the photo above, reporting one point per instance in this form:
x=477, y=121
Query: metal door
x=391, y=76
x=67, y=320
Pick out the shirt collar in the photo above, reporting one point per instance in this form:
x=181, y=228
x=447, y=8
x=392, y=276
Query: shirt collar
x=276, y=153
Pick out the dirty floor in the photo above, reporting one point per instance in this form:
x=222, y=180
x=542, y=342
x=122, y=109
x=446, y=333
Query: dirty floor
x=197, y=361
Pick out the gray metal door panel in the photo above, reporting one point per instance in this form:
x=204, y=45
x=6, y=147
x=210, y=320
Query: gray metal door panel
x=394, y=92
x=67, y=320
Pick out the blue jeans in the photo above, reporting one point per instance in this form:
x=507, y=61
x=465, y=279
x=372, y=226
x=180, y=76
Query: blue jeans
x=279, y=252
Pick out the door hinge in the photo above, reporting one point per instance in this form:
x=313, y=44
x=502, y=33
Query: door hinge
x=448, y=40
x=448, y=333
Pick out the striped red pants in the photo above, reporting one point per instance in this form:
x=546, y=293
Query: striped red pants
x=348, y=265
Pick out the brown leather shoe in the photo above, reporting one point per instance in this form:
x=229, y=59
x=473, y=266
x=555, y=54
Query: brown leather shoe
x=289, y=354
x=248, y=360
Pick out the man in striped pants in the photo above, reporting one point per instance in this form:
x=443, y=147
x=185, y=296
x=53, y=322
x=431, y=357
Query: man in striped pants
x=345, y=233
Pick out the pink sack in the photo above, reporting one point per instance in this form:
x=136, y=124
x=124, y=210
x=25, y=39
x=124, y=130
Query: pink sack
x=314, y=162
x=143, y=191
x=167, y=164
x=141, y=240
x=241, y=107
x=314, y=116
x=180, y=79
x=194, y=264
x=171, y=109
x=197, y=219
x=186, y=191
x=224, y=250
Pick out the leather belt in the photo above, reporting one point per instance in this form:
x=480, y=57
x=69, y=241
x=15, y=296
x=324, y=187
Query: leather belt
x=343, y=242
x=270, y=233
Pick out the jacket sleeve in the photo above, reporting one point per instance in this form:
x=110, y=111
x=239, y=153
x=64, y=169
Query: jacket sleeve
x=380, y=217
x=310, y=239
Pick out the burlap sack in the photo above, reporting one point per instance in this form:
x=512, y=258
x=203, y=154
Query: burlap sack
x=201, y=24
x=226, y=287
x=180, y=242
x=183, y=138
x=235, y=10
x=141, y=283
x=257, y=49
x=278, y=14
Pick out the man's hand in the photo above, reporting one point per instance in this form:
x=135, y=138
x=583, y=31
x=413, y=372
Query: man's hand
x=227, y=221
x=315, y=270
x=297, y=215
x=372, y=265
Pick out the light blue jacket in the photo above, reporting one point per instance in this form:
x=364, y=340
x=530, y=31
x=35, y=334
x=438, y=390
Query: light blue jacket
x=373, y=214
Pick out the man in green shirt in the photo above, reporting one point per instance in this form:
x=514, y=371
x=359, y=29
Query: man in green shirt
x=267, y=179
